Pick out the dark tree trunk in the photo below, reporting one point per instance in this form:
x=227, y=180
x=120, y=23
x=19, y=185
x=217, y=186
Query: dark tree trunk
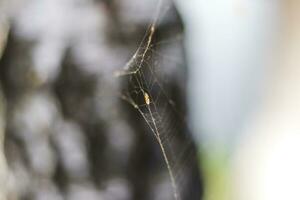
x=69, y=132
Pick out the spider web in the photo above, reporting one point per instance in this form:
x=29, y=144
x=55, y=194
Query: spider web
x=145, y=91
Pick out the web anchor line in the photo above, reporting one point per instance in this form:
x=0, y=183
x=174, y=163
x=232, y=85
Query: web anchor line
x=133, y=70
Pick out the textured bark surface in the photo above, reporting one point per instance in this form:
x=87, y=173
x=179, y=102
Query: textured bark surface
x=68, y=134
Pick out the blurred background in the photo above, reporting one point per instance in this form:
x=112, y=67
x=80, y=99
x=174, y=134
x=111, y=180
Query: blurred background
x=243, y=95
x=225, y=88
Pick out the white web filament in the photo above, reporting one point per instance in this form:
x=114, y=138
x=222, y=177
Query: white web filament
x=145, y=92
